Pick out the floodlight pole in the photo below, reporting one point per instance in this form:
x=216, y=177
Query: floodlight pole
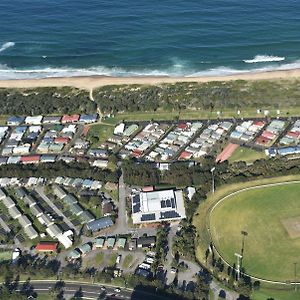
x=213, y=179
x=238, y=258
x=295, y=273
x=244, y=234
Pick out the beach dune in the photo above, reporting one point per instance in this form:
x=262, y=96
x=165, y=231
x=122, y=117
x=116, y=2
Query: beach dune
x=91, y=82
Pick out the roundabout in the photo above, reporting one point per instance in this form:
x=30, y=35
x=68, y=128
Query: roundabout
x=262, y=223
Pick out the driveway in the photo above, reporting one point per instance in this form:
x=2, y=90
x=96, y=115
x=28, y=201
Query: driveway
x=42, y=194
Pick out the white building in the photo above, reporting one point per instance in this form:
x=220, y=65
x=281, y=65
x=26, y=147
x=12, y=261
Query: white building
x=33, y=120
x=158, y=206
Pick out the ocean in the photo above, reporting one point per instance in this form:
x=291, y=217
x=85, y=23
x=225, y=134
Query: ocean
x=52, y=38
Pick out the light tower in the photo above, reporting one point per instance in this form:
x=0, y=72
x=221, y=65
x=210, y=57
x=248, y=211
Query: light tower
x=238, y=258
x=244, y=234
x=213, y=179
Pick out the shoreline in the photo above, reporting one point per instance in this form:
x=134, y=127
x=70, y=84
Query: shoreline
x=91, y=82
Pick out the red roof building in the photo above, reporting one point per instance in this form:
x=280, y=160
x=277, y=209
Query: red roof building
x=268, y=135
x=259, y=123
x=183, y=126
x=262, y=141
x=294, y=135
x=61, y=140
x=30, y=159
x=46, y=247
x=185, y=155
x=70, y=118
x=149, y=188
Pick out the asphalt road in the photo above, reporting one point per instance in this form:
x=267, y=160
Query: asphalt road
x=92, y=291
x=121, y=223
x=40, y=191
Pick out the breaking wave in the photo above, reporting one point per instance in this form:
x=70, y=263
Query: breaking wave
x=6, y=46
x=173, y=71
x=264, y=58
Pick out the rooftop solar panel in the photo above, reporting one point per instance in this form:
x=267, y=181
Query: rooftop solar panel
x=148, y=217
x=170, y=214
x=136, y=208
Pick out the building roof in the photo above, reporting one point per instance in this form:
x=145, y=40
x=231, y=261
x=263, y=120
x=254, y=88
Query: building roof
x=8, y=202
x=86, y=217
x=157, y=206
x=28, y=199
x=142, y=272
x=14, y=212
x=70, y=118
x=111, y=242
x=15, y=120
x=70, y=199
x=76, y=209
x=59, y=192
x=36, y=210
x=88, y=118
x=146, y=240
x=121, y=242
x=20, y=192
x=130, y=130
x=46, y=246
x=45, y=220
x=53, y=230
x=99, y=242
x=31, y=232
x=24, y=221
x=29, y=159
x=107, y=207
x=74, y=254
x=2, y=194
x=85, y=248
x=65, y=239
x=99, y=224
x=51, y=119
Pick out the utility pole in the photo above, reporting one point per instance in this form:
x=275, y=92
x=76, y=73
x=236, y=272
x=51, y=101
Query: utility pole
x=213, y=179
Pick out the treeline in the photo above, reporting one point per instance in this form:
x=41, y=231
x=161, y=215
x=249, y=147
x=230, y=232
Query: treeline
x=262, y=94
x=46, y=100
x=60, y=168
x=184, y=241
x=182, y=175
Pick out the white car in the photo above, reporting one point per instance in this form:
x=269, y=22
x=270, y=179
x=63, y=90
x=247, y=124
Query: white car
x=118, y=260
x=117, y=290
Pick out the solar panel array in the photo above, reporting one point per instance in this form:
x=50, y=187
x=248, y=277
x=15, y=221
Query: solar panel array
x=168, y=203
x=170, y=214
x=148, y=217
x=136, y=203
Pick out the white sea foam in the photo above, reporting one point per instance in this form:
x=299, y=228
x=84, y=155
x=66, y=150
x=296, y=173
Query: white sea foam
x=174, y=71
x=6, y=46
x=264, y=58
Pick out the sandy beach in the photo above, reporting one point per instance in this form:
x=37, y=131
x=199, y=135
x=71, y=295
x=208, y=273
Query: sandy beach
x=91, y=82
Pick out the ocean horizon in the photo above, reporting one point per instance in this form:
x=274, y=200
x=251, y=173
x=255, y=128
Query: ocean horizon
x=40, y=39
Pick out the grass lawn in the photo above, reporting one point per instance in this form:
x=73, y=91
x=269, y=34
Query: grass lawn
x=112, y=259
x=198, y=114
x=264, y=294
x=127, y=261
x=99, y=133
x=269, y=251
x=99, y=258
x=5, y=255
x=246, y=154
